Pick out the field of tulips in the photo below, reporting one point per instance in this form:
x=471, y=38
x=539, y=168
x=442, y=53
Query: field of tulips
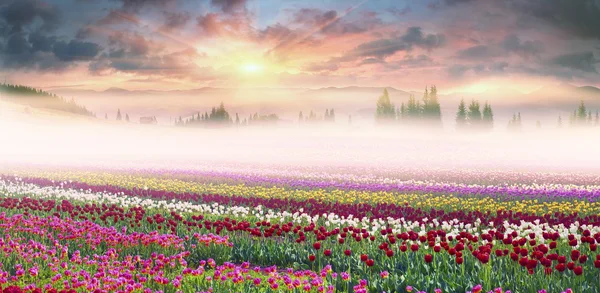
x=297, y=231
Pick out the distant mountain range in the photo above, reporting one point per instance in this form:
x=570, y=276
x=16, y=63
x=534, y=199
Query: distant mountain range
x=548, y=102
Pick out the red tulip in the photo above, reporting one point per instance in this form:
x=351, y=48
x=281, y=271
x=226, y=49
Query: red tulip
x=428, y=258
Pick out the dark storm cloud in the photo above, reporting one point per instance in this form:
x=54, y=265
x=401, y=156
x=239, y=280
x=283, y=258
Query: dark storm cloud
x=229, y=6
x=478, y=52
x=527, y=49
x=75, y=50
x=40, y=42
x=582, y=61
x=579, y=18
x=382, y=48
x=330, y=23
x=443, y=3
x=175, y=20
x=136, y=5
x=29, y=42
x=18, y=14
x=511, y=44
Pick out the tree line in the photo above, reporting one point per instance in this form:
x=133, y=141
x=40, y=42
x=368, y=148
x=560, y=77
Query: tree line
x=426, y=111
x=41, y=99
x=219, y=116
x=313, y=118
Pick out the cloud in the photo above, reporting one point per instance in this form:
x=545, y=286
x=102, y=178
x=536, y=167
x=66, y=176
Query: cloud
x=175, y=20
x=229, y=6
x=582, y=61
x=137, y=5
x=75, y=50
x=511, y=44
x=321, y=67
x=457, y=71
x=478, y=52
x=580, y=18
x=213, y=24
x=526, y=49
x=382, y=48
x=330, y=23
x=18, y=14
x=443, y=3
x=400, y=12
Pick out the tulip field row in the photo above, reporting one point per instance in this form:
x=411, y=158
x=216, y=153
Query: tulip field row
x=141, y=232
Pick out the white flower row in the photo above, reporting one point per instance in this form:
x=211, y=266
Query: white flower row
x=331, y=220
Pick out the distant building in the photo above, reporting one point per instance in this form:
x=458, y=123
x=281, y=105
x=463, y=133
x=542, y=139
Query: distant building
x=148, y=120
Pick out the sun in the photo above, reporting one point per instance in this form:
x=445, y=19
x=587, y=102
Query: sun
x=252, y=68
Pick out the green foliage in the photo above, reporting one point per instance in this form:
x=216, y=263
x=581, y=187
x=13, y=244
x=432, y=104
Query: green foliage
x=41, y=99
x=217, y=117
x=461, y=115
x=386, y=111
x=582, y=116
x=515, y=123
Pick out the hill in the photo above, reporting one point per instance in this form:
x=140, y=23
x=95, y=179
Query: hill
x=36, y=98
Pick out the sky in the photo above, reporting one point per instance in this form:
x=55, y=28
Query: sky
x=458, y=45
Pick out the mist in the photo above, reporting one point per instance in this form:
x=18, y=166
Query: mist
x=37, y=138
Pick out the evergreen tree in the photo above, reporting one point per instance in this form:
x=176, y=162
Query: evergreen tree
x=413, y=108
x=581, y=113
x=538, y=124
x=326, y=114
x=126, y=117
x=589, y=118
x=488, y=116
x=425, y=110
x=385, y=109
x=402, y=112
x=461, y=115
x=349, y=119
x=237, y=119
x=597, y=119
x=300, y=117
x=559, y=122
x=332, y=115
x=105, y=116
x=431, y=106
x=474, y=114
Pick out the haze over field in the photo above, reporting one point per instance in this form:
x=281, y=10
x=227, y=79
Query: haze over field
x=44, y=138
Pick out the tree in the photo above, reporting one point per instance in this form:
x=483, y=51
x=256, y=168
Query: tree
x=515, y=123
x=581, y=113
x=488, y=116
x=349, y=119
x=119, y=118
x=332, y=115
x=538, y=124
x=237, y=119
x=326, y=114
x=402, y=112
x=559, y=122
x=461, y=115
x=385, y=109
x=413, y=108
x=126, y=117
x=431, y=106
x=474, y=114
x=105, y=116
x=300, y=117
x=597, y=119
